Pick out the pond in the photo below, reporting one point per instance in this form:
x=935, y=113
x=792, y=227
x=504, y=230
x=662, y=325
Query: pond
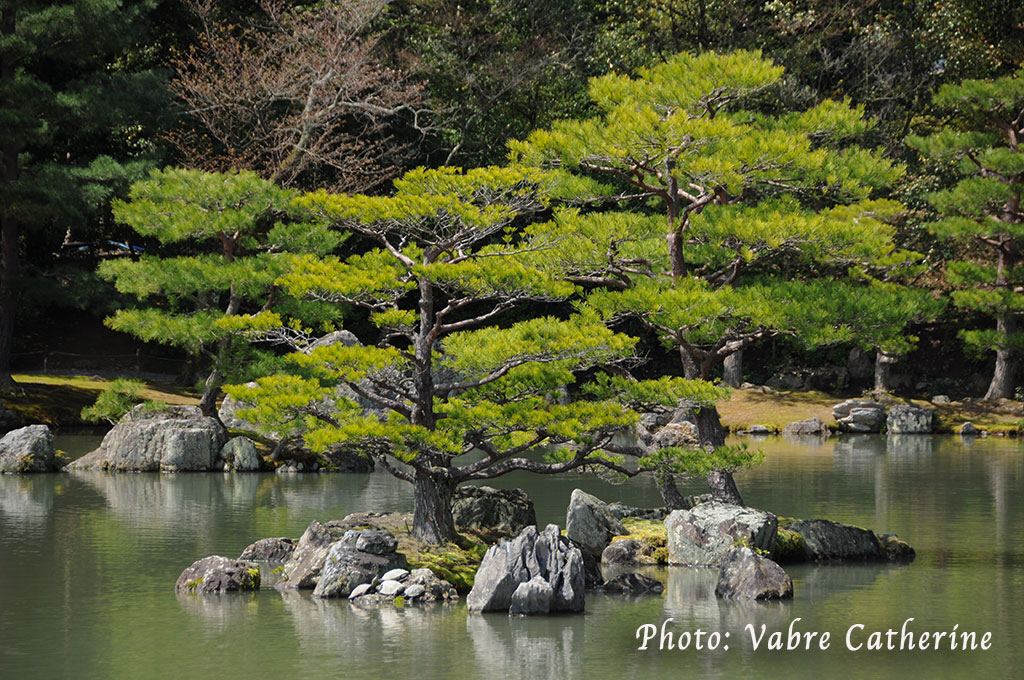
x=88, y=562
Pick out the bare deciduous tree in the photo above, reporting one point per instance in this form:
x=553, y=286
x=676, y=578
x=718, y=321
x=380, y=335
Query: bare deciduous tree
x=298, y=95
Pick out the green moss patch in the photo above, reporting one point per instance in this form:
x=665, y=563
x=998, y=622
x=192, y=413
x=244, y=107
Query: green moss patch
x=652, y=533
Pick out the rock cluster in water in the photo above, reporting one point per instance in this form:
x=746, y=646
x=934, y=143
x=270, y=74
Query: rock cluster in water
x=217, y=574
x=510, y=575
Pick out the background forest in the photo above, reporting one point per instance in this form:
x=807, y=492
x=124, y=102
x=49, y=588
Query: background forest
x=918, y=111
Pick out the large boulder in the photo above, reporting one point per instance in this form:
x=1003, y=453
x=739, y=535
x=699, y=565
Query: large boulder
x=359, y=557
x=705, y=535
x=169, y=439
x=241, y=455
x=269, y=550
x=809, y=427
x=216, y=574
x=628, y=551
x=590, y=523
x=906, y=419
x=547, y=554
x=682, y=433
x=859, y=416
x=827, y=541
x=745, y=575
x=508, y=511
x=28, y=449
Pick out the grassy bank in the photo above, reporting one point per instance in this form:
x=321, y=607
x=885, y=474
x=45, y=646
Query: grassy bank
x=776, y=409
x=58, y=400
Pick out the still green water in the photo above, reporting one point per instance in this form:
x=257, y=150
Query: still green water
x=88, y=562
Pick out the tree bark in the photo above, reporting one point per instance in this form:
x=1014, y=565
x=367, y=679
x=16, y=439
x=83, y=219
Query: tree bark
x=733, y=369
x=1004, y=377
x=723, y=487
x=691, y=369
x=432, y=520
x=883, y=370
x=670, y=492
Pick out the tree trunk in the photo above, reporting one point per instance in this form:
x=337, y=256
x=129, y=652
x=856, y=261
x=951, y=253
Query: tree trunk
x=211, y=391
x=670, y=492
x=733, y=369
x=432, y=520
x=1004, y=378
x=723, y=487
x=691, y=369
x=883, y=371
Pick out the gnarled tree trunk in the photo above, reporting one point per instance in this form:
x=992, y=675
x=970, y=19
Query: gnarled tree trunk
x=1005, y=374
x=732, y=369
x=432, y=520
x=710, y=435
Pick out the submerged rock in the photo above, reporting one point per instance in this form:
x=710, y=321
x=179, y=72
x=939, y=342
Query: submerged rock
x=170, y=439
x=28, y=449
x=547, y=554
x=632, y=584
x=217, y=574
x=705, y=535
x=896, y=549
x=745, y=575
x=968, y=430
x=508, y=511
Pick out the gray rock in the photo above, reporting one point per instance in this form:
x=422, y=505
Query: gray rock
x=826, y=541
x=372, y=541
x=395, y=574
x=344, y=568
x=906, y=419
x=632, y=584
x=228, y=413
x=414, y=592
x=390, y=588
x=216, y=574
x=968, y=430
x=758, y=429
x=434, y=588
x=345, y=338
x=508, y=511
x=532, y=597
x=547, y=554
x=682, y=434
x=628, y=551
x=172, y=439
x=705, y=535
x=590, y=524
x=269, y=550
x=941, y=399
x=810, y=426
x=859, y=415
x=28, y=449
x=896, y=549
x=302, y=570
x=745, y=575
x=360, y=590
x=241, y=455
x=622, y=511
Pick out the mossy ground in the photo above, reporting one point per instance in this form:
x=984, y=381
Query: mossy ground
x=746, y=408
x=650, y=532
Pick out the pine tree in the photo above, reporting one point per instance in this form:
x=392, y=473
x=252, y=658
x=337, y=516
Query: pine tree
x=78, y=103
x=451, y=373
x=235, y=231
x=983, y=137
x=718, y=224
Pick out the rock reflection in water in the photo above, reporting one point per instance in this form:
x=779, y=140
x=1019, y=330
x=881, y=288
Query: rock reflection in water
x=219, y=610
x=26, y=499
x=527, y=647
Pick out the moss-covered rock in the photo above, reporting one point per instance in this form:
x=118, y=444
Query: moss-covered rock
x=789, y=547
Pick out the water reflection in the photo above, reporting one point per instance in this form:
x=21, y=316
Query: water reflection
x=514, y=647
